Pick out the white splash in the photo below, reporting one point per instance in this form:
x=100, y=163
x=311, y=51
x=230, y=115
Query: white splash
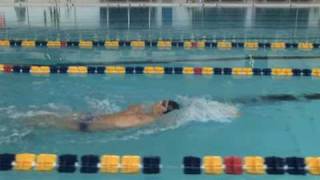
x=204, y=110
x=13, y=135
x=104, y=106
x=13, y=112
x=31, y=113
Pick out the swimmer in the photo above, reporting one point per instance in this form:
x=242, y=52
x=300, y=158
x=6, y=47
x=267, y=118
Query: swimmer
x=133, y=116
x=140, y=115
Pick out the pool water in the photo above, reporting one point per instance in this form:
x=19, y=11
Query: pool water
x=207, y=124
x=212, y=120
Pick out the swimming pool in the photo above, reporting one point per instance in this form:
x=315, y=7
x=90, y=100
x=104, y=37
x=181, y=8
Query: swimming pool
x=207, y=124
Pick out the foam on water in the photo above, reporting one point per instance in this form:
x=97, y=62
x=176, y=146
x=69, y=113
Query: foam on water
x=10, y=130
x=205, y=109
x=104, y=106
x=13, y=128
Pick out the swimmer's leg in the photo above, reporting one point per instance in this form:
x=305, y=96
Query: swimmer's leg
x=52, y=120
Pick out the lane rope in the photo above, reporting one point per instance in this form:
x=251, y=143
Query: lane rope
x=135, y=164
x=158, y=70
x=161, y=44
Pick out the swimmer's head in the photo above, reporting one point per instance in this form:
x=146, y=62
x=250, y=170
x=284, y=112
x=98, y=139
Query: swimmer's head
x=166, y=106
x=170, y=106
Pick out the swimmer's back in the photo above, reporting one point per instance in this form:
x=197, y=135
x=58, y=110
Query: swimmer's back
x=119, y=121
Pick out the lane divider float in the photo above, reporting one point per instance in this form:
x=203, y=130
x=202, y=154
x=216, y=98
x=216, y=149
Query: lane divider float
x=162, y=44
x=158, y=70
x=134, y=164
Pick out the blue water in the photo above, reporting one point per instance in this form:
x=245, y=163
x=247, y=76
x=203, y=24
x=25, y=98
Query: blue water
x=207, y=124
x=211, y=122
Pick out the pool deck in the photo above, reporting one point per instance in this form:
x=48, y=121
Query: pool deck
x=99, y=3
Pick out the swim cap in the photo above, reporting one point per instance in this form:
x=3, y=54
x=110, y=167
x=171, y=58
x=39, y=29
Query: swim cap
x=172, y=105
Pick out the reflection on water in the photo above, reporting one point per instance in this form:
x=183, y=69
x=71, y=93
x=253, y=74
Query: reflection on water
x=165, y=22
x=54, y=14
x=21, y=14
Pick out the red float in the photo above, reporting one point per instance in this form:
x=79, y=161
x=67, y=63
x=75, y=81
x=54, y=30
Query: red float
x=63, y=44
x=194, y=44
x=7, y=68
x=197, y=70
x=233, y=165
